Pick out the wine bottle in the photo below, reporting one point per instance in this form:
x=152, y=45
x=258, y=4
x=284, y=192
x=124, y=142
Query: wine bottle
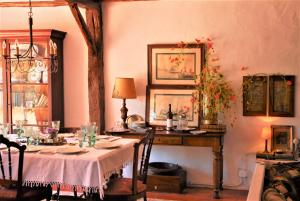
x=169, y=119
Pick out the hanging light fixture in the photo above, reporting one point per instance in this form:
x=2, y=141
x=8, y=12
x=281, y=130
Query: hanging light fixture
x=30, y=60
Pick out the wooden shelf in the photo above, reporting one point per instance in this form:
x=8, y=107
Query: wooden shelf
x=29, y=83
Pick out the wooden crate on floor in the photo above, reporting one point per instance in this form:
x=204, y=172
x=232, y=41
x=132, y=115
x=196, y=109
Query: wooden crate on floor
x=165, y=183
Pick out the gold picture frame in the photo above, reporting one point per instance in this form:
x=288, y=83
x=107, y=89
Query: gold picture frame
x=170, y=64
x=158, y=99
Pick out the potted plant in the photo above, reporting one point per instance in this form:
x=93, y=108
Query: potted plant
x=214, y=94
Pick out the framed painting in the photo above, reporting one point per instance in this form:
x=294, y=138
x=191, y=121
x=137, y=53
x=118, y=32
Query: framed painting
x=282, y=138
x=281, y=95
x=173, y=65
x=255, y=95
x=158, y=99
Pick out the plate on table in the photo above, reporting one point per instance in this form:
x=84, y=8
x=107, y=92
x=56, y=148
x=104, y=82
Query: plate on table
x=31, y=149
x=70, y=150
x=48, y=151
x=197, y=132
x=118, y=131
x=100, y=137
x=66, y=135
x=185, y=129
x=107, y=145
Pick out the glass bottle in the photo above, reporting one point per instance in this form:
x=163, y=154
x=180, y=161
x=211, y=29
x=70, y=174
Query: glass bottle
x=169, y=119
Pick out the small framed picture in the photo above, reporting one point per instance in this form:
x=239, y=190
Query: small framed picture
x=281, y=95
x=255, y=95
x=282, y=138
x=173, y=65
x=159, y=98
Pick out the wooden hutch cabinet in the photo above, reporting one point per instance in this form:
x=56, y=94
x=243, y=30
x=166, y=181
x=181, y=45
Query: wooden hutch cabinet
x=34, y=96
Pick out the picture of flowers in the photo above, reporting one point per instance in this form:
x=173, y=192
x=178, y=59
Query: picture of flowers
x=174, y=65
x=180, y=100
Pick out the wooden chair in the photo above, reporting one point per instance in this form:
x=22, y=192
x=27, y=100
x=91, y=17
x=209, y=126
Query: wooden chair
x=11, y=190
x=126, y=189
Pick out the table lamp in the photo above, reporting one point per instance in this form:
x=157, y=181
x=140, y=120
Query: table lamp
x=124, y=89
x=265, y=134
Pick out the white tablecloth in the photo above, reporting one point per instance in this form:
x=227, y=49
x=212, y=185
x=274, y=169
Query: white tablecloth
x=87, y=171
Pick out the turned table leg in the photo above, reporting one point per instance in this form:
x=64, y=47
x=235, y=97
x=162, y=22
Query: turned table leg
x=217, y=174
x=221, y=168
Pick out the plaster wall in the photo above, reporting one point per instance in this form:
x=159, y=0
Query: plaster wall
x=75, y=54
x=263, y=35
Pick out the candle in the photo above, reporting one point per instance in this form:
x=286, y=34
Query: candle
x=51, y=47
x=17, y=47
x=54, y=49
x=3, y=48
x=46, y=52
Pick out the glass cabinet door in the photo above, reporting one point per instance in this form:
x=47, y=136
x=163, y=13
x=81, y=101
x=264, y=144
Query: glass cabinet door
x=30, y=103
x=29, y=86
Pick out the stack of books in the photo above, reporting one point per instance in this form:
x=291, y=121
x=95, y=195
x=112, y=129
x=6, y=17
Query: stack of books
x=274, y=155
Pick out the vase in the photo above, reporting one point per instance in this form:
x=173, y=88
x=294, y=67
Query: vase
x=208, y=116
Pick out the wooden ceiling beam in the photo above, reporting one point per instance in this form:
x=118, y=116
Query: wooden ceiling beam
x=35, y=3
x=85, y=3
x=81, y=3
x=83, y=27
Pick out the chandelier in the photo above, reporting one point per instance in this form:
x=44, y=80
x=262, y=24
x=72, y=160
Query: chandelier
x=30, y=60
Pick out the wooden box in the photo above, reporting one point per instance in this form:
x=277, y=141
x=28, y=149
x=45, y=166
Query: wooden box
x=165, y=183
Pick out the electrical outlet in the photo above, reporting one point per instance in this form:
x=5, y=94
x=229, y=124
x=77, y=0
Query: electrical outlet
x=242, y=173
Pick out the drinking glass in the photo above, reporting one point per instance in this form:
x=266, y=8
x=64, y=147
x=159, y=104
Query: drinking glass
x=55, y=126
x=80, y=137
x=91, y=130
x=5, y=128
x=28, y=130
x=182, y=122
x=118, y=126
x=19, y=127
x=84, y=130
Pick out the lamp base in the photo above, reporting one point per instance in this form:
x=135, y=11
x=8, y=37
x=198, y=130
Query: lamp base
x=266, y=147
x=124, y=111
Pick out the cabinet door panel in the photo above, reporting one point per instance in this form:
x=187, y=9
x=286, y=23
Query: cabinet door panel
x=30, y=103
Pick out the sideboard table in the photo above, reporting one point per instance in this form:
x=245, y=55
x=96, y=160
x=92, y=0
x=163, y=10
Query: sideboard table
x=212, y=138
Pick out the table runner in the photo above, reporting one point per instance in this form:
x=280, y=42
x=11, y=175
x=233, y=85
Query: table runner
x=86, y=171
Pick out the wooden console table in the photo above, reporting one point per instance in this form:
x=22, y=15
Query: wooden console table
x=213, y=139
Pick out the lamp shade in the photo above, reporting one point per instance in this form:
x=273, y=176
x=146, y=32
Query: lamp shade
x=266, y=133
x=124, y=88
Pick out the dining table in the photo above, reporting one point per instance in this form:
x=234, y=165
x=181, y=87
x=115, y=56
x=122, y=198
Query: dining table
x=72, y=167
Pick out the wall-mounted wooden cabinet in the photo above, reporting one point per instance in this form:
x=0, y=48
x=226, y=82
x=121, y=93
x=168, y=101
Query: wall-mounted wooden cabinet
x=34, y=95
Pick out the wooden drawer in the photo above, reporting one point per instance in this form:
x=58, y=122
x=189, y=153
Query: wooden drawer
x=168, y=140
x=172, y=184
